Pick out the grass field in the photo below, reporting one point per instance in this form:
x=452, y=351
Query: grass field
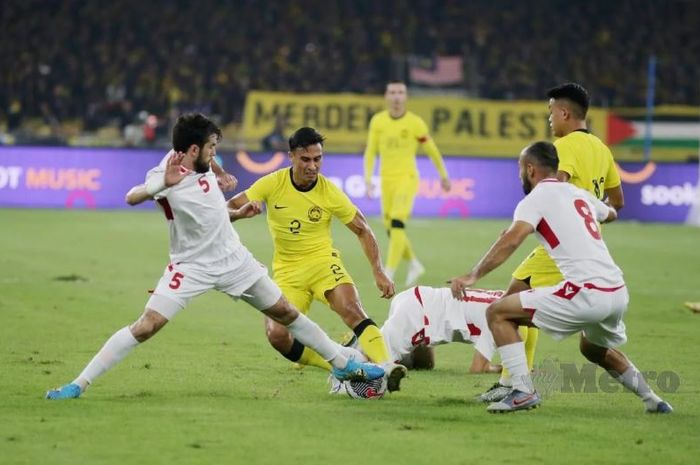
x=209, y=390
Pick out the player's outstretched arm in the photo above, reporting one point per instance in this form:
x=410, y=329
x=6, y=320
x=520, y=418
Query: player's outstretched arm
x=616, y=198
x=480, y=364
x=241, y=207
x=137, y=195
x=496, y=255
x=364, y=233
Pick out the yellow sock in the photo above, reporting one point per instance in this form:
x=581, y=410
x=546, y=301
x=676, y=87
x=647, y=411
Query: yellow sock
x=408, y=253
x=311, y=357
x=397, y=245
x=533, y=335
x=372, y=342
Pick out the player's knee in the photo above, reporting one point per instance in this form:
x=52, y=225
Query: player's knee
x=279, y=338
x=147, y=325
x=493, y=314
x=592, y=352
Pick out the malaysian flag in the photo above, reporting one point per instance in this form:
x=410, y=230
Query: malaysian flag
x=436, y=71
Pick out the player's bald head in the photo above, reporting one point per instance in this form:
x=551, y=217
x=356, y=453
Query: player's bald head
x=542, y=154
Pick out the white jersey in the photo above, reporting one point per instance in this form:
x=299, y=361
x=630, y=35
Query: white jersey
x=200, y=229
x=431, y=316
x=565, y=219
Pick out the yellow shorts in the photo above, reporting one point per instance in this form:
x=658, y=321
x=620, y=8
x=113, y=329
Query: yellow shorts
x=301, y=283
x=398, y=195
x=540, y=268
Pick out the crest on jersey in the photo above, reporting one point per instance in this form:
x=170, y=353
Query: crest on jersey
x=315, y=214
x=404, y=133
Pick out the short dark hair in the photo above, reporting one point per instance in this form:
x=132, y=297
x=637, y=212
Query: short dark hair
x=543, y=153
x=395, y=81
x=573, y=92
x=304, y=137
x=193, y=128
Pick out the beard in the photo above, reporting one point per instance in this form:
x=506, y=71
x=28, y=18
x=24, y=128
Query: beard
x=201, y=166
x=527, y=186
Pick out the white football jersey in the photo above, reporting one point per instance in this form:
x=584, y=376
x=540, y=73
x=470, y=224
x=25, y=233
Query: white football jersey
x=566, y=219
x=200, y=229
x=450, y=320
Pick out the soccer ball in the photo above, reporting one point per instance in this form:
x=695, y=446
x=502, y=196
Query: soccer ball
x=374, y=389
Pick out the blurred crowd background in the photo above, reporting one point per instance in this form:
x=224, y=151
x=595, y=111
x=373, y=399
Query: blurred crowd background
x=78, y=69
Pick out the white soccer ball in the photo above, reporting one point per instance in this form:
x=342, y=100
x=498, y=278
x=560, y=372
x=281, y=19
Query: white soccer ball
x=374, y=389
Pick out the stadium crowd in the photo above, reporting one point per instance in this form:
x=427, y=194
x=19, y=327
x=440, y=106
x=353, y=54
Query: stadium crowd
x=103, y=62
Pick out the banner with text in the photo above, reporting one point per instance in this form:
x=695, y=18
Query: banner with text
x=38, y=177
x=458, y=125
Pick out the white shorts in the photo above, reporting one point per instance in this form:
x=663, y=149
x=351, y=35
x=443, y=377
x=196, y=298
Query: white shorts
x=569, y=308
x=239, y=275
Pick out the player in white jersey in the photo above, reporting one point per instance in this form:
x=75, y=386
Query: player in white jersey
x=591, y=300
x=205, y=253
x=423, y=317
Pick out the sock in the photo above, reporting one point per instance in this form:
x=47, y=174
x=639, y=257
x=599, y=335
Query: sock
x=372, y=341
x=311, y=357
x=312, y=336
x=533, y=334
x=397, y=245
x=633, y=380
x=505, y=374
x=113, y=351
x=408, y=253
x=513, y=358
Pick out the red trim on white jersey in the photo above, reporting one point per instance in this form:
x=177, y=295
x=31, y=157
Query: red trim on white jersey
x=604, y=289
x=166, y=208
x=416, y=292
x=546, y=232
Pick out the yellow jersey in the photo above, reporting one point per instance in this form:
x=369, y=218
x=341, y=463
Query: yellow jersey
x=300, y=220
x=396, y=140
x=588, y=161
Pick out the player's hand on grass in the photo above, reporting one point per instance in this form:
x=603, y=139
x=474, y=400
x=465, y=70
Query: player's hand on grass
x=174, y=171
x=384, y=284
x=227, y=182
x=460, y=284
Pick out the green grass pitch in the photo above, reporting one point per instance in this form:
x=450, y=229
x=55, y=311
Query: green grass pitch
x=209, y=390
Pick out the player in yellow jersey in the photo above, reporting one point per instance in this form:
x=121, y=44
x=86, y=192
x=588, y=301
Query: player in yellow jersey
x=586, y=162
x=300, y=205
x=395, y=135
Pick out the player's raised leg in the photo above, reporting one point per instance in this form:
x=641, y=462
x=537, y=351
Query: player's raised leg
x=345, y=301
x=113, y=351
x=623, y=370
x=267, y=297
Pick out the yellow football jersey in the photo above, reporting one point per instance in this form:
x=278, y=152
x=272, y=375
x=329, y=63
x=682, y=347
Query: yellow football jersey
x=396, y=140
x=588, y=161
x=299, y=221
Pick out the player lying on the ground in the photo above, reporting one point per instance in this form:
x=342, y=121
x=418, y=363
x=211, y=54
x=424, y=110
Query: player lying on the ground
x=423, y=317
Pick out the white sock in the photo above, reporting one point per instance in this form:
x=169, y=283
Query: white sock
x=633, y=380
x=505, y=380
x=311, y=335
x=115, y=349
x=514, y=359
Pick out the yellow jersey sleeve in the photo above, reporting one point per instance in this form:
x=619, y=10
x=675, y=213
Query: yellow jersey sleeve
x=263, y=187
x=429, y=146
x=340, y=205
x=370, y=157
x=612, y=179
